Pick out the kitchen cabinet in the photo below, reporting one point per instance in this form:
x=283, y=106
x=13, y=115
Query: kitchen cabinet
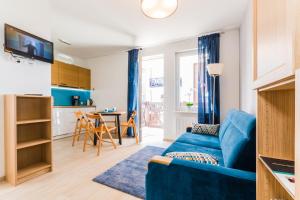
x=276, y=40
x=54, y=73
x=64, y=119
x=67, y=75
x=84, y=78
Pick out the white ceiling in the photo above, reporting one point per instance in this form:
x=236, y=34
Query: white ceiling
x=101, y=27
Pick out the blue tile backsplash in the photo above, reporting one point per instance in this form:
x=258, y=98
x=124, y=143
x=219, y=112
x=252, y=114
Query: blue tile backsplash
x=62, y=96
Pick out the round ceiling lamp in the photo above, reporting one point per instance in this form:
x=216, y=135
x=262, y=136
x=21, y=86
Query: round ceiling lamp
x=159, y=9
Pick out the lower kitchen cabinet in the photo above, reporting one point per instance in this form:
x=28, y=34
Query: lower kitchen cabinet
x=64, y=120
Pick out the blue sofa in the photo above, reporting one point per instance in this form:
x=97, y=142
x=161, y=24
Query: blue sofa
x=234, y=178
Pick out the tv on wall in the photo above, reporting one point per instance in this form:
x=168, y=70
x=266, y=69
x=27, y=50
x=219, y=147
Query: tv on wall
x=22, y=43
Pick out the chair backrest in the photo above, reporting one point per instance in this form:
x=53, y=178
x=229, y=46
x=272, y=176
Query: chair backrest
x=98, y=118
x=237, y=139
x=80, y=118
x=132, y=117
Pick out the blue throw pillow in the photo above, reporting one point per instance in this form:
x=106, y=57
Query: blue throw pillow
x=194, y=156
x=207, y=129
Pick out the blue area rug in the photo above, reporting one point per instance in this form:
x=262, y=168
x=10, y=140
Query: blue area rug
x=129, y=175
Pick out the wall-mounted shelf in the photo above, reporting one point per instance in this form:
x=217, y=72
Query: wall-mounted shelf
x=28, y=137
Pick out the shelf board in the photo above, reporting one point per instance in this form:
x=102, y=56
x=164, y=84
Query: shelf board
x=276, y=177
x=32, y=96
x=33, y=121
x=31, y=143
x=32, y=169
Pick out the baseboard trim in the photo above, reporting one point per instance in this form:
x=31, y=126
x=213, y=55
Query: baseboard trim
x=168, y=140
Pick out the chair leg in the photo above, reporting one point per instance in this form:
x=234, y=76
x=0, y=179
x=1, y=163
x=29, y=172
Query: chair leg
x=135, y=134
x=111, y=139
x=124, y=131
x=98, y=144
x=86, y=136
x=101, y=139
x=75, y=133
x=79, y=133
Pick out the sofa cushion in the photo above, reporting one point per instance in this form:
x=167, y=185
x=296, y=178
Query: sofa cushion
x=206, y=129
x=238, y=141
x=225, y=124
x=194, y=156
x=185, y=147
x=200, y=140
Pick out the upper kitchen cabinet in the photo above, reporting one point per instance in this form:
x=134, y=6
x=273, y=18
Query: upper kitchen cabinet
x=84, y=78
x=68, y=75
x=54, y=73
x=276, y=40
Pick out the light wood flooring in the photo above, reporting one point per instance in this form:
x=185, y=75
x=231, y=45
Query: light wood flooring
x=73, y=172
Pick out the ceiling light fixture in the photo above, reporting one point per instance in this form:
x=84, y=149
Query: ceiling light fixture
x=159, y=9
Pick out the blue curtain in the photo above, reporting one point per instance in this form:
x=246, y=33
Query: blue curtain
x=133, y=85
x=208, y=52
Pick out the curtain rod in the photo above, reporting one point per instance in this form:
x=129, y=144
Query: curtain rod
x=209, y=33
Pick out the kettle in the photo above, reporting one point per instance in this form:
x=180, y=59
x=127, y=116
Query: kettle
x=90, y=102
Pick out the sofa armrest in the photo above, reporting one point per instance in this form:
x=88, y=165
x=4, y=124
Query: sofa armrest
x=189, y=129
x=186, y=180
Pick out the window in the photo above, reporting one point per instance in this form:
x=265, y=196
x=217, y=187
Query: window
x=187, y=76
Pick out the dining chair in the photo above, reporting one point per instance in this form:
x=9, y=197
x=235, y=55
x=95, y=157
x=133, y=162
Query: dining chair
x=130, y=124
x=81, y=123
x=99, y=128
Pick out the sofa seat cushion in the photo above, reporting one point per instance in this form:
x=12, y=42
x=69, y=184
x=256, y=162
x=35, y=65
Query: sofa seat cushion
x=200, y=140
x=194, y=156
x=185, y=147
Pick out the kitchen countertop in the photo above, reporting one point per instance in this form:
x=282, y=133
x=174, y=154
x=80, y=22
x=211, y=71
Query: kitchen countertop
x=84, y=106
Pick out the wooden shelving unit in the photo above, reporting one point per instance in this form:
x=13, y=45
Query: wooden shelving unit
x=28, y=137
x=276, y=133
x=282, y=184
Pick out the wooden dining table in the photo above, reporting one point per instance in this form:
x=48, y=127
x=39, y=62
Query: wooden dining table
x=117, y=115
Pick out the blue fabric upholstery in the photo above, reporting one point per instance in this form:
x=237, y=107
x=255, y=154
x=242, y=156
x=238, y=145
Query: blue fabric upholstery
x=225, y=125
x=186, y=180
x=185, y=147
x=202, y=140
x=238, y=142
x=234, y=179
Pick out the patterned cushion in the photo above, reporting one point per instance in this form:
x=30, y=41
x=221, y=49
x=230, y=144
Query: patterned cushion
x=194, y=156
x=207, y=129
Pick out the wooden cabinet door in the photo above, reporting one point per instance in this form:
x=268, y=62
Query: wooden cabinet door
x=273, y=33
x=54, y=73
x=84, y=78
x=68, y=75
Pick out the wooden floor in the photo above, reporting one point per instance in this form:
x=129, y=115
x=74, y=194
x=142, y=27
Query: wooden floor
x=73, y=173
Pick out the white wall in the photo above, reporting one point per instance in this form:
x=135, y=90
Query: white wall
x=109, y=77
x=109, y=81
x=60, y=56
x=22, y=78
x=247, y=95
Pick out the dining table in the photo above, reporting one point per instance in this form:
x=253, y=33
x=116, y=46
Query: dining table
x=117, y=115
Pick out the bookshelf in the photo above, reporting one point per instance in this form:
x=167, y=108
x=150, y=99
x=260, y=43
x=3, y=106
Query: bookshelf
x=28, y=137
x=277, y=133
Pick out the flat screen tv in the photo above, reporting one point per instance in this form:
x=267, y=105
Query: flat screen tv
x=22, y=43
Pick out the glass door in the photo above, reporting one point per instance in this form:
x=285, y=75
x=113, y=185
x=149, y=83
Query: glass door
x=152, y=98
